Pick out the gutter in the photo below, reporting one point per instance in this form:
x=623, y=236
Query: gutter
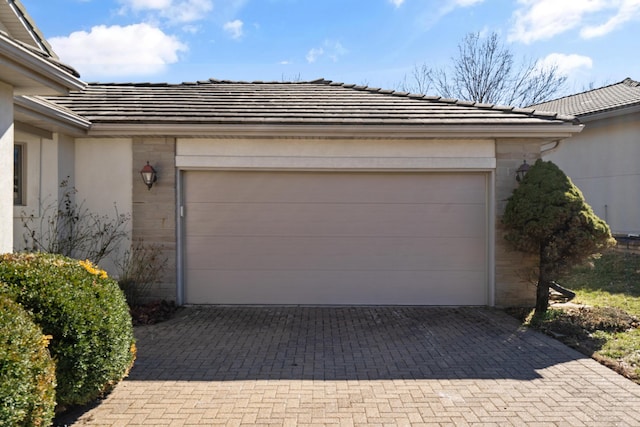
x=550, y=131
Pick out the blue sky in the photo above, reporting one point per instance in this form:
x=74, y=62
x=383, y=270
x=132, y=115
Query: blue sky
x=371, y=42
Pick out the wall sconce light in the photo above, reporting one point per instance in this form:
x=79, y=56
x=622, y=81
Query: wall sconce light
x=149, y=176
x=522, y=171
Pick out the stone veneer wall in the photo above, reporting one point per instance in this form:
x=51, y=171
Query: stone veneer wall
x=515, y=271
x=154, y=215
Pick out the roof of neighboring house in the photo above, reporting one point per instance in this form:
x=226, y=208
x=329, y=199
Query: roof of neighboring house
x=319, y=102
x=608, y=98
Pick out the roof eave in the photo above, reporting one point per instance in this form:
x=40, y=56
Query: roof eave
x=32, y=74
x=615, y=112
x=546, y=131
x=42, y=114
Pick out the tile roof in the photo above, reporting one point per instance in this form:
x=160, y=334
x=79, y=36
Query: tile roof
x=612, y=97
x=301, y=103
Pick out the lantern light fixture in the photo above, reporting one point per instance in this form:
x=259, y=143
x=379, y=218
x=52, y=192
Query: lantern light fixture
x=522, y=171
x=149, y=176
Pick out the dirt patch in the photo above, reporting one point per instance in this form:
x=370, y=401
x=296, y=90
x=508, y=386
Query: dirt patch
x=576, y=326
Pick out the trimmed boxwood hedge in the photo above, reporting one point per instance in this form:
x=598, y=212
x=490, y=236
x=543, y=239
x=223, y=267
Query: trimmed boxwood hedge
x=86, y=315
x=27, y=372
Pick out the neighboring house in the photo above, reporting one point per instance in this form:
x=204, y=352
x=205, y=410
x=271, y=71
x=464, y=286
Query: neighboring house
x=603, y=160
x=28, y=66
x=298, y=193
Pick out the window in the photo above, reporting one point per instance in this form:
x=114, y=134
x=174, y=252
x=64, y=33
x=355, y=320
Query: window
x=18, y=177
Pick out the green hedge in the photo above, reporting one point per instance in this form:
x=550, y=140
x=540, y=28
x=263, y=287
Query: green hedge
x=27, y=372
x=86, y=314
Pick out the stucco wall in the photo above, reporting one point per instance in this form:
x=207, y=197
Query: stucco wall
x=104, y=183
x=6, y=167
x=48, y=160
x=154, y=210
x=602, y=161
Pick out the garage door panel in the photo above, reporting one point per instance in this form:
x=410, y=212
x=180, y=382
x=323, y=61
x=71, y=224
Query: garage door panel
x=335, y=238
x=326, y=287
x=360, y=187
x=334, y=253
x=330, y=219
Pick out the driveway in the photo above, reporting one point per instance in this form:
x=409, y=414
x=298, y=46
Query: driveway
x=360, y=366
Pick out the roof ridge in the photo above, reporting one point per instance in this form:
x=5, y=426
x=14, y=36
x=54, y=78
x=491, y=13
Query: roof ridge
x=630, y=82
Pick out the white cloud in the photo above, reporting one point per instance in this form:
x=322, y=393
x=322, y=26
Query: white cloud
x=438, y=11
x=543, y=19
x=234, y=28
x=331, y=49
x=147, y=4
x=172, y=11
x=314, y=54
x=566, y=64
x=629, y=9
x=115, y=51
x=396, y=3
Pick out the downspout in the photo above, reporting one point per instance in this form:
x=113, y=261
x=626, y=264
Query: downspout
x=556, y=143
x=179, y=240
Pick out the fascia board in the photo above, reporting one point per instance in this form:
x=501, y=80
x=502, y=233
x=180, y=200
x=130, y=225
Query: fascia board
x=42, y=72
x=358, y=131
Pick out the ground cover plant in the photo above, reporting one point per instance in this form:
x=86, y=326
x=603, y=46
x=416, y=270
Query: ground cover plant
x=603, y=321
x=84, y=312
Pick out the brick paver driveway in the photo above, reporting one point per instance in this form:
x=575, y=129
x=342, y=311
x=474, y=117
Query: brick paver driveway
x=360, y=366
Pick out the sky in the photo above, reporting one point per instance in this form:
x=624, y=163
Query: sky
x=377, y=43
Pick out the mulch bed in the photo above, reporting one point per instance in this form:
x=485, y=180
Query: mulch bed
x=153, y=312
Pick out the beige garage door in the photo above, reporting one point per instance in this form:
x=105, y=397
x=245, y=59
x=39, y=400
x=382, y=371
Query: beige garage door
x=335, y=238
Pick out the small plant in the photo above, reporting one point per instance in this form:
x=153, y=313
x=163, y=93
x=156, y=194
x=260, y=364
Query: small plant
x=141, y=266
x=27, y=372
x=70, y=229
x=86, y=314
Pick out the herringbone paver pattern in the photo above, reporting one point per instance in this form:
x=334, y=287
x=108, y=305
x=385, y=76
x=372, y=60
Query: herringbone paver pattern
x=292, y=366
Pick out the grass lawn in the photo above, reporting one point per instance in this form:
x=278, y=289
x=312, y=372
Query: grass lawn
x=603, y=321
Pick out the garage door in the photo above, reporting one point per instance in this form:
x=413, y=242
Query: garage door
x=335, y=238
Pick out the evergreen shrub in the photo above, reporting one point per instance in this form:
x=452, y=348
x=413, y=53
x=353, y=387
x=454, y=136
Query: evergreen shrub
x=27, y=372
x=86, y=315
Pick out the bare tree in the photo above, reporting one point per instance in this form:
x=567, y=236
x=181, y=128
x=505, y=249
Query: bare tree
x=486, y=71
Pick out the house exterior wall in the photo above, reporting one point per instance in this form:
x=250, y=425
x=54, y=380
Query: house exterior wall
x=154, y=210
x=102, y=166
x=6, y=167
x=312, y=153
x=48, y=161
x=514, y=284
x=515, y=278
x=602, y=161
